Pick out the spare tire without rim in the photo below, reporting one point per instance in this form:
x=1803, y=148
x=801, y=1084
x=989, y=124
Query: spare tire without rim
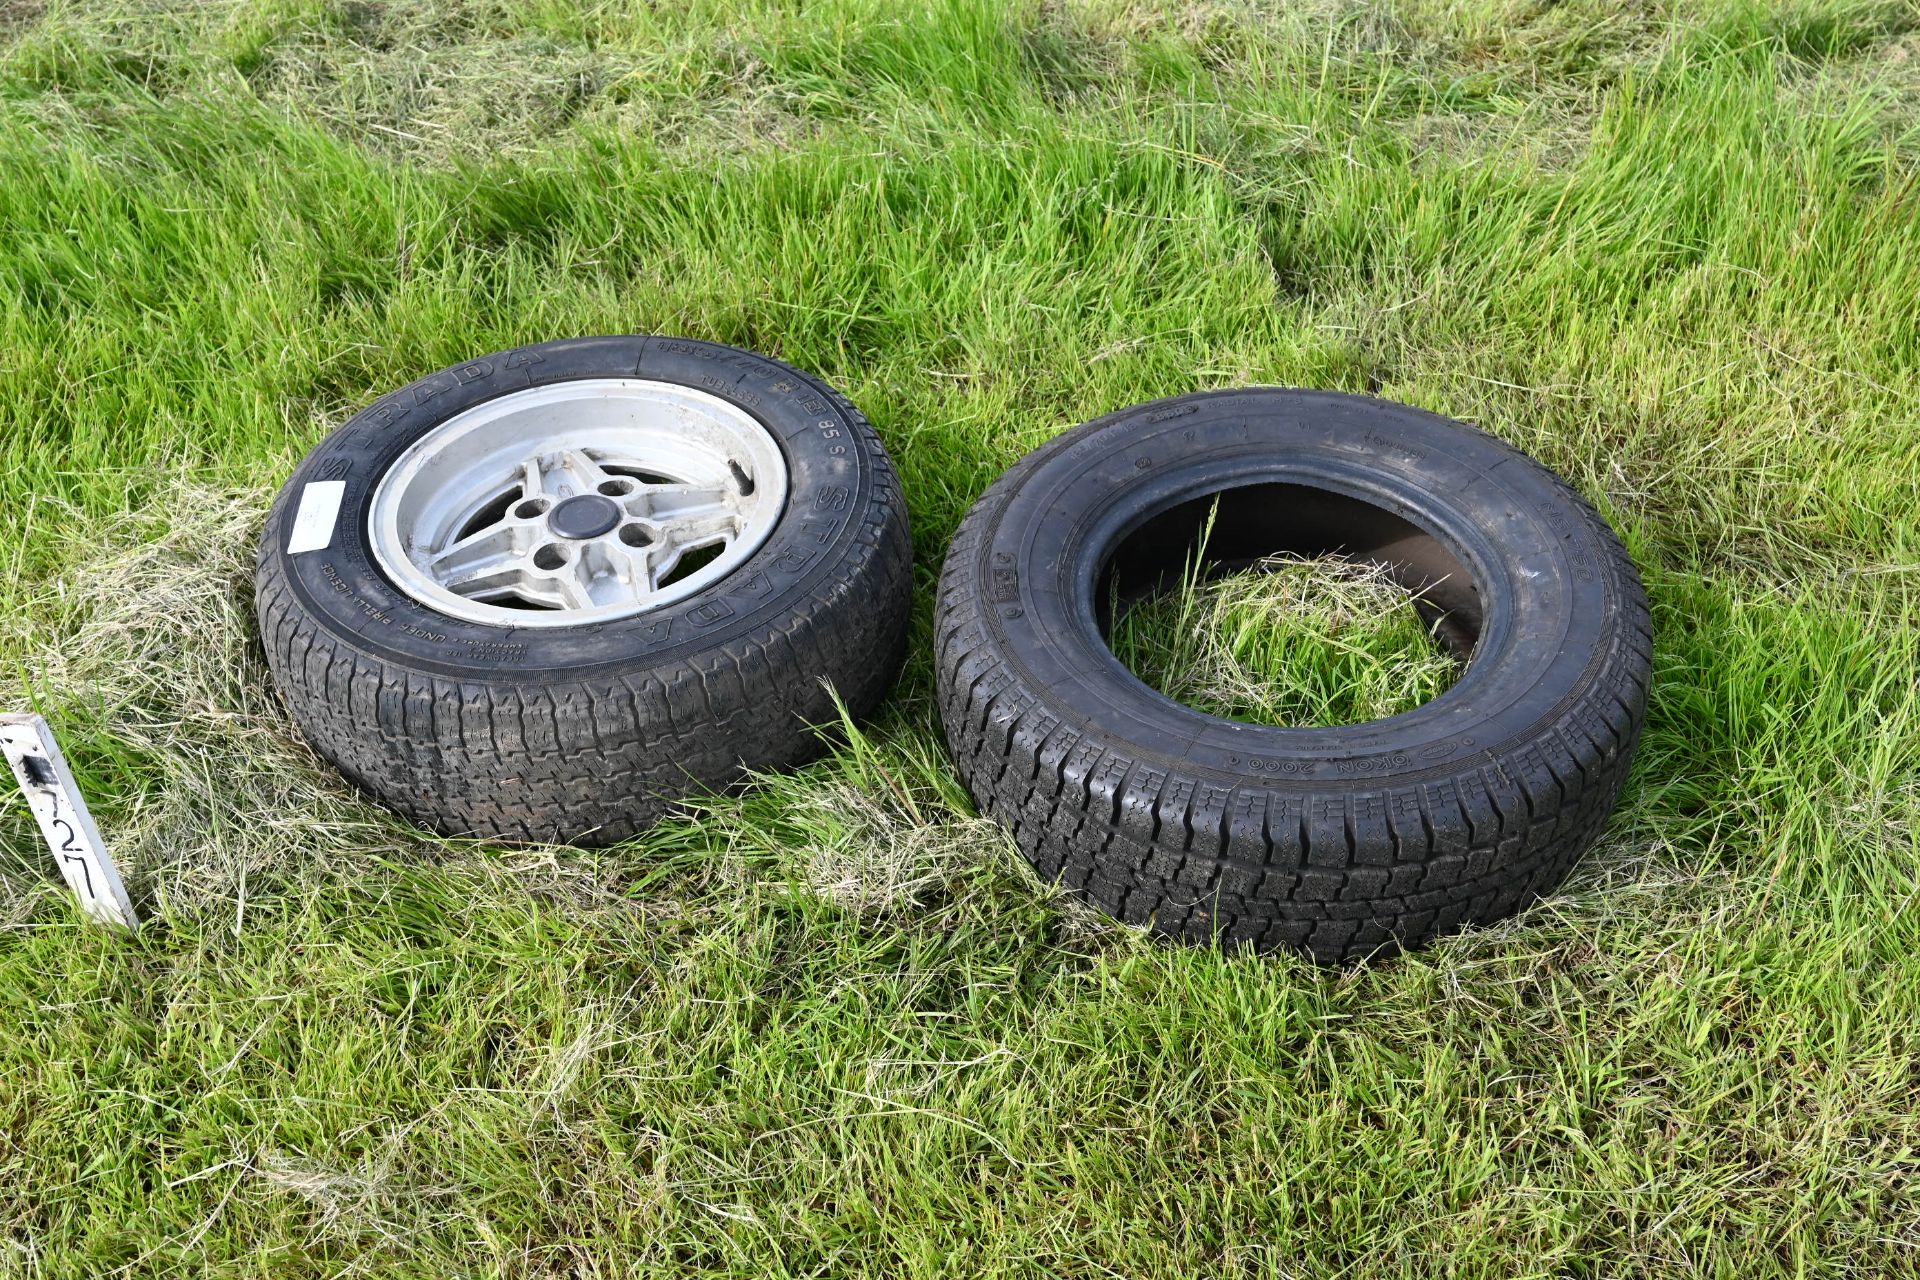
x=1336, y=841
x=547, y=593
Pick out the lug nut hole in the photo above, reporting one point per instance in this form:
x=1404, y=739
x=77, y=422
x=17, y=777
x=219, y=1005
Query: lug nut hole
x=635, y=535
x=549, y=557
x=531, y=508
x=616, y=488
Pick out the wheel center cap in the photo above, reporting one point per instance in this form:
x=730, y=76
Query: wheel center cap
x=586, y=516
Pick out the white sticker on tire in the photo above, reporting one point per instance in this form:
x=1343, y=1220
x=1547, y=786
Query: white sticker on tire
x=319, y=511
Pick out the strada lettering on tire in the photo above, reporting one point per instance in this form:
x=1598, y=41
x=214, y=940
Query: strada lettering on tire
x=547, y=593
x=1339, y=841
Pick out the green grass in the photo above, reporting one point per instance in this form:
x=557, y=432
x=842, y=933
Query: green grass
x=1291, y=642
x=834, y=1026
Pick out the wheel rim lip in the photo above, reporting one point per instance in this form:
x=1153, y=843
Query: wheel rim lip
x=423, y=493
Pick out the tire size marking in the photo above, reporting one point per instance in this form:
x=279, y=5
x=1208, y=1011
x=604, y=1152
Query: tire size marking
x=56, y=802
x=317, y=516
x=1264, y=764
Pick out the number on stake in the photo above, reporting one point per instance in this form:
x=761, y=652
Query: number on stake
x=55, y=799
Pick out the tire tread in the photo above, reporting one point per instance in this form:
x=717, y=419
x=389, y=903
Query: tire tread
x=1338, y=873
x=523, y=757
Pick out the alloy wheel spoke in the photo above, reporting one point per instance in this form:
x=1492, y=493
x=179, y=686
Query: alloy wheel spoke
x=478, y=561
x=681, y=519
x=565, y=473
x=633, y=569
x=532, y=481
x=688, y=532
x=666, y=502
x=569, y=585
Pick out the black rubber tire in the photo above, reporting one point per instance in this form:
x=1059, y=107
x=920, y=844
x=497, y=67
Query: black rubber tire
x=1338, y=842
x=590, y=734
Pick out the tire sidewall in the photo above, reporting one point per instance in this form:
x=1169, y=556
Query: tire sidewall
x=831, y=463
x=1552, y=604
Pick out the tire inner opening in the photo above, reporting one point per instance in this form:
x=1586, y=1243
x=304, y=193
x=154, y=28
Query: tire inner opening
x=1330, y=569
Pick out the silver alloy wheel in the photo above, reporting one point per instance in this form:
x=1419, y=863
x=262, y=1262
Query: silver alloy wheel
x=577, y=502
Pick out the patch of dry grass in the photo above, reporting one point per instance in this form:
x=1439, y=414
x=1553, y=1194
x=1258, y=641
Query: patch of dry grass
x=144, y=654
x=1291, y=642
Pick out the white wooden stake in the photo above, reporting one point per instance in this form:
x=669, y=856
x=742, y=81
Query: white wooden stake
x=56, y=801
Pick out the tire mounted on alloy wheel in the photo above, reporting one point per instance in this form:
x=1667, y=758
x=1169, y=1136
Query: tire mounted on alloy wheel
x=547, y=593
x=1336, y=841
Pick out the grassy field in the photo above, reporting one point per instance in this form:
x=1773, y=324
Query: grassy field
x=834, y=1026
